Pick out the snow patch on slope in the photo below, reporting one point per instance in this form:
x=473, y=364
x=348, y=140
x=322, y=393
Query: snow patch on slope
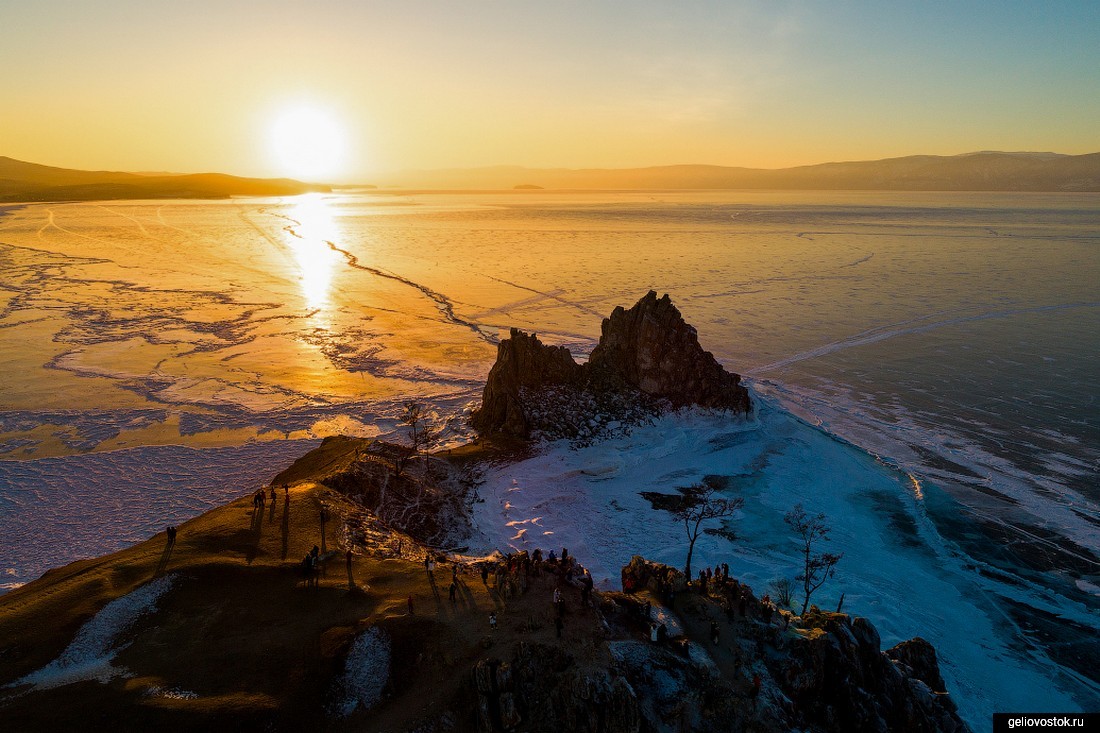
x=366, y=671
x=90, y=654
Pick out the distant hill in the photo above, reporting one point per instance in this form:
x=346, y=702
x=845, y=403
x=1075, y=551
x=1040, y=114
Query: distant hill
x=21, y=181
x=984, y=171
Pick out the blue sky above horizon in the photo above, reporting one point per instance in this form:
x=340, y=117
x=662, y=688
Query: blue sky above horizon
x=419, y=84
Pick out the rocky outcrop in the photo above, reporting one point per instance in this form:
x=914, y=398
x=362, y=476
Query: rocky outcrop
x=652, y=348
x=543, y=689
x=834, y=672
x=648, y=358
x=771, y=672
x=523, y=362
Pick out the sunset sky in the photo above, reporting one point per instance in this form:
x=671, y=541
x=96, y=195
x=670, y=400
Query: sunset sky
x=343, y=91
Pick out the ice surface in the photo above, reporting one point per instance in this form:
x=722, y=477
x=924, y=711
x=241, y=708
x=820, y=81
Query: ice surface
x=89, y=656
x=56, y=510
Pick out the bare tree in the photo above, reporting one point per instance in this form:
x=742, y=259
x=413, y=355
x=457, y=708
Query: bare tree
x=817, y=567
x=421, y=434
x=700, y=503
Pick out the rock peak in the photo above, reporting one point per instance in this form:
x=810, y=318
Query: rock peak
x=648, y=356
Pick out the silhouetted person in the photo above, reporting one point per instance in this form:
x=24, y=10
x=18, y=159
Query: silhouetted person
x=351, y=579
x=485, y=574
x=493, y=620
x=451, y=592
x=411, y=611
x=559, y=624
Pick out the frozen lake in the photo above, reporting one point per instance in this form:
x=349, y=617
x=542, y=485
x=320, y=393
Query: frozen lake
x=161, y=356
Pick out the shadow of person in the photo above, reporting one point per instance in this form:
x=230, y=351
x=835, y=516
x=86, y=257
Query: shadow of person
x=164, y=558
x=271, y=517
x=257, y=531
x=286, y=527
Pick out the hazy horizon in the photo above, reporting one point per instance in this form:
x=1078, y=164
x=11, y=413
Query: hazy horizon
x=379, y=177
x=347, y=93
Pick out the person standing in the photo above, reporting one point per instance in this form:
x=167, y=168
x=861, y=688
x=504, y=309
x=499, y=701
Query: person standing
x=559, y=624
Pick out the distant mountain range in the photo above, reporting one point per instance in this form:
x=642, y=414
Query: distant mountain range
x=21, y=181
x=984, y=171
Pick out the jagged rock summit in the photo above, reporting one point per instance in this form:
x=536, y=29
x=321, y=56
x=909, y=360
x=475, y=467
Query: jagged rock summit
x=648, y=358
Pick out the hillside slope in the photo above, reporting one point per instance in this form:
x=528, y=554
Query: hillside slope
x=21, y=181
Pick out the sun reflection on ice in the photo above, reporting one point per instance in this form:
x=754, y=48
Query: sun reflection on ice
x=310, y=235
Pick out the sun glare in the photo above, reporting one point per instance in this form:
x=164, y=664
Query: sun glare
x=308, y=142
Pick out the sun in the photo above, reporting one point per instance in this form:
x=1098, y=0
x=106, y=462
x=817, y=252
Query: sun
x=308, y=142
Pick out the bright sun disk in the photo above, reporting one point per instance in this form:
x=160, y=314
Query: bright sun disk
x=307, y=142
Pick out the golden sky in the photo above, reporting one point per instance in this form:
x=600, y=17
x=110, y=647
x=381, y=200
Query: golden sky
x=371, y=87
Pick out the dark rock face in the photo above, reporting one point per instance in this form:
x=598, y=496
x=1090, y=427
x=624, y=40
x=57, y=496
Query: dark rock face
x=834, y=673
x=522, y=362
x=652, y=348
x=647, y=358
x=823, y=672
x=920, y=657
x=542, y=689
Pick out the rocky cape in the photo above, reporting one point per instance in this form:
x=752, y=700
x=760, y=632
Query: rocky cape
x=219, y=629
x=647, y=359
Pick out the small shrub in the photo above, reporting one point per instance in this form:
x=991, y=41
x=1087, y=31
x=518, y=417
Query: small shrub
x=782, y=592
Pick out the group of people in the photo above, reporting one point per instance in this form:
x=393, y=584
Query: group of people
x=512, y=573
x=716, y=578
x=259, y=499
